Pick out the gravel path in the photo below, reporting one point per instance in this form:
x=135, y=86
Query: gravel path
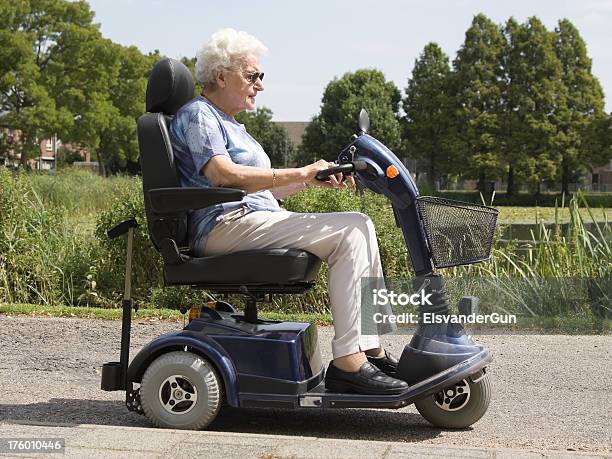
x=549, y=391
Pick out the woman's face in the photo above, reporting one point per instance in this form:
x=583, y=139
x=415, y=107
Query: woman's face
x=239, y=92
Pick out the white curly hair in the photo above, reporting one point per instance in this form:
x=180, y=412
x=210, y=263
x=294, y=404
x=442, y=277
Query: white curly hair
x=226, y=48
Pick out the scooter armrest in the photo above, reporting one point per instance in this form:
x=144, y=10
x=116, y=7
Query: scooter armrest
x=181, y=199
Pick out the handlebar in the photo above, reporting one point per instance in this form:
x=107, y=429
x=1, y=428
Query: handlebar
x=347, y=169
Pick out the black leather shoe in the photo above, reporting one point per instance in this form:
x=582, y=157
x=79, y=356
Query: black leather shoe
x=387, y=364
x=368, y=380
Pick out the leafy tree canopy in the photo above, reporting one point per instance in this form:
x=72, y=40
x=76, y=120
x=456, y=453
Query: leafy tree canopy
x=580, y=109
x=343, y=99
x=477, y=88
x=59, y=75
x=428, y=124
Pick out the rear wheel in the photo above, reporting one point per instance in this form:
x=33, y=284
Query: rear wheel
x=458, y=406
x=181, y=390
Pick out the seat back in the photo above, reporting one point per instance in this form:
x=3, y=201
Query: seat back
x=170, y=86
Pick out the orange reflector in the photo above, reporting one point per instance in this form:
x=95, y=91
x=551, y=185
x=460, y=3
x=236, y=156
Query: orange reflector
x=392, y=171
x=194, y=313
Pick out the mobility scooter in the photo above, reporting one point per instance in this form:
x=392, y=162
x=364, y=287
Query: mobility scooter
x=181, y=379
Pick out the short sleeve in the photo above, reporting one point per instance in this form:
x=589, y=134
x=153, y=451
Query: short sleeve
x=204, y=138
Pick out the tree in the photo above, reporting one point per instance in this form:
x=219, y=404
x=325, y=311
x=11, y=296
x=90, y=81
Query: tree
x=59, y=75
x=190, y=63
x=82, y=78
x=343, y=98
x=597, y=140
x=535, y=96
x=26, y=45
x=428, y=126
x=272, y=137
x=477, y=88
x=583, y=103
x=118, y=141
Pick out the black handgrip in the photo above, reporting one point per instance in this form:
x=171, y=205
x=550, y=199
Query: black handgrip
x=360, y=165
x=122, y=228
x=344, y=168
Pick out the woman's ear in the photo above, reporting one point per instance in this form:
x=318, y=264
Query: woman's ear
x=220, y=79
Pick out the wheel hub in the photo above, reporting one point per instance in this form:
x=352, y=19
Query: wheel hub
x=177, y=394
x=453, y=398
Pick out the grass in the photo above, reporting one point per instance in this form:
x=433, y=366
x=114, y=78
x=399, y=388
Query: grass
x=559, y=325
x=37, y=310
x=78, y=191
x=82, y=194
x=533, y=215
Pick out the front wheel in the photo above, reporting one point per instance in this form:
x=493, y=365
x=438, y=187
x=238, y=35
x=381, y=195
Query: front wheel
x=181, y=390
x=457, y=406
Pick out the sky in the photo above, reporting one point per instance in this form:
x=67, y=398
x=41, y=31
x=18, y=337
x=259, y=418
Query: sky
x=311, y=42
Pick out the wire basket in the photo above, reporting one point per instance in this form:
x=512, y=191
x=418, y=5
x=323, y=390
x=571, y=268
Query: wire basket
x=458, y=233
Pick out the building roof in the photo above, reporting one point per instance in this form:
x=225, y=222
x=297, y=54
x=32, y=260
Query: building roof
x=295, y=130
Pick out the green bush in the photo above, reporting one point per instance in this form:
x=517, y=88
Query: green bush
x=109, y=269
x=147, y=278
x=561, y=270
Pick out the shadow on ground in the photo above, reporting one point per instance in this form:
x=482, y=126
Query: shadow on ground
x=355, y=424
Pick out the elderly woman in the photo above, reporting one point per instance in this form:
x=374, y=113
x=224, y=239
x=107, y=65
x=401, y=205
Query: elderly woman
x=212, y=149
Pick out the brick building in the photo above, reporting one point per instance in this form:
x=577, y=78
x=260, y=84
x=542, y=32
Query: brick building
x=601, y=178
x=48, y=151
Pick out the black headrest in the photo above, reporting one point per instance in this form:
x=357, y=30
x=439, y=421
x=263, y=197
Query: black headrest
x=170, y=87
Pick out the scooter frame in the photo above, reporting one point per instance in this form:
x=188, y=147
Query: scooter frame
x=267, y=363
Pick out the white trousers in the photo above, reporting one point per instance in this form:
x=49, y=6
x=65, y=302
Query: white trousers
x=345, y=240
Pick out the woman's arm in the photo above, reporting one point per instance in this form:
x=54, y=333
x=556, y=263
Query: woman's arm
x=287, y=190
x=223, y=172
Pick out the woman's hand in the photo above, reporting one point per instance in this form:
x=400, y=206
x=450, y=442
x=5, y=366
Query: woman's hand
x=333, y=181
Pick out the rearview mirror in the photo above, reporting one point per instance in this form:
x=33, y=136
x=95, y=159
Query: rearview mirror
x=364, y=121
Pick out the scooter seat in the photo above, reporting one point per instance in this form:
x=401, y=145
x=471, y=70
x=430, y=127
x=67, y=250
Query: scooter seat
x=167, y=203
x=272, y=267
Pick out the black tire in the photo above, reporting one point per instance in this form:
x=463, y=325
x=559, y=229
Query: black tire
x=170, y=385
x=466, y=413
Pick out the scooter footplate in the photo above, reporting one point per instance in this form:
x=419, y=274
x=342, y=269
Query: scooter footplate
x=321, y=398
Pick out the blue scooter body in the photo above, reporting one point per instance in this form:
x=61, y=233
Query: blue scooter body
x=279, y=363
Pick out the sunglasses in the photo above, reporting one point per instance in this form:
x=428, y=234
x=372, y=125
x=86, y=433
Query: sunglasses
x=253, y=77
